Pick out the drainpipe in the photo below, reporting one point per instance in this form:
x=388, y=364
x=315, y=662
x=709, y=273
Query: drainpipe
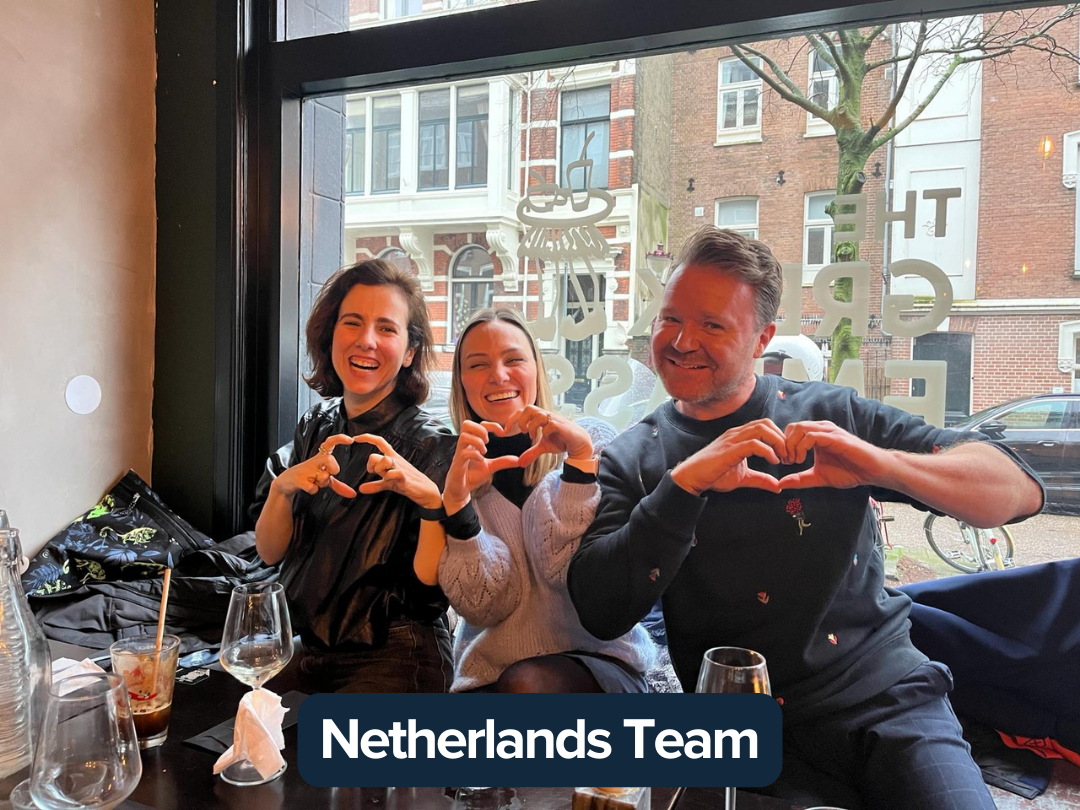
x=1070, y=162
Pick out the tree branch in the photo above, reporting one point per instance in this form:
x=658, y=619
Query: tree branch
x=901, y=86
x=782, y=84
x=881, y=140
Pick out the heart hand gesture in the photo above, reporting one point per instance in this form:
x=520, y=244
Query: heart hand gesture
x=841, y=460
x=550, y=433
x=470, y=469
x=721, y=465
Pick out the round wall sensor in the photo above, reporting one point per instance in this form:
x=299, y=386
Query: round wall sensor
x=83, y=394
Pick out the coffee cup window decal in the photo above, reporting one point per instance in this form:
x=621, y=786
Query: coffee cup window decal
x=561, y=227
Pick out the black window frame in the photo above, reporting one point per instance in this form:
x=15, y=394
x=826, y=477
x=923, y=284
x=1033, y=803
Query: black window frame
x=229, y=99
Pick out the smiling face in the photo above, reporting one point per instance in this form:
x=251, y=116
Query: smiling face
x=705, y=340
x=497, y=370
x=371, y=344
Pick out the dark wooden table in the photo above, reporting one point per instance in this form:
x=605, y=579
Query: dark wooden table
x=179, y=777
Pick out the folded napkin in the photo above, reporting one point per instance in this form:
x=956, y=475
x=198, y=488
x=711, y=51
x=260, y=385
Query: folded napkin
x=257, y=735
x=68, y=667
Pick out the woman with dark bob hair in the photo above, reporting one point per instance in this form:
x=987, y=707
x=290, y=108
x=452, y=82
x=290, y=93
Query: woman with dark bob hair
x=332, y=510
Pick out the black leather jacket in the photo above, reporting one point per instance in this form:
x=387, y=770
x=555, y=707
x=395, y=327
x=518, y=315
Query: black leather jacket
x=348, y=571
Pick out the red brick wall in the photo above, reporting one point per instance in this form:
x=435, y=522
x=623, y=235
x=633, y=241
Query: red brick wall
x=1026, y=216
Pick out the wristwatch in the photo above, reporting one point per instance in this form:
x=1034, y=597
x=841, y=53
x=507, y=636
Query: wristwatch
x=586, y=465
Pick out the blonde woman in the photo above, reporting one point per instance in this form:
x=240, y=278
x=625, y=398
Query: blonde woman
x=513, y=521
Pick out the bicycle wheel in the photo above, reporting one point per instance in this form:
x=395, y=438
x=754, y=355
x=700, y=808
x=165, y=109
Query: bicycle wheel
x=956, y=543
x=1004, y=542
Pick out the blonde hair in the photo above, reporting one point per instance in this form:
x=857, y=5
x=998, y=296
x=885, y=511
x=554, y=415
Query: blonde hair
x=460, y=410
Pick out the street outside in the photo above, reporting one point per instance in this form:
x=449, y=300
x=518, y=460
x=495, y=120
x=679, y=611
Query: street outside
x=1040, y=539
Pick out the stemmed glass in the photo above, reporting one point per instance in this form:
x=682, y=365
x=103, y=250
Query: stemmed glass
x=89, y=755
x=733, y=670
x=256, y=646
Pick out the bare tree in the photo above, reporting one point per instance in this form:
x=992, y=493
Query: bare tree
x=938, y=48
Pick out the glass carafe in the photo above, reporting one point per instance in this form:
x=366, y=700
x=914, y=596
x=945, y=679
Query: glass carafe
x=24, y=664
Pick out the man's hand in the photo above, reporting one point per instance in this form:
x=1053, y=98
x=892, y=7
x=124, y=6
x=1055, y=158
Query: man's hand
x=721, y=465
x=841, y=460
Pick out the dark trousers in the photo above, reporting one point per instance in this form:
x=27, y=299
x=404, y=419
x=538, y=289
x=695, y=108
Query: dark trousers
x=901, y=750
x=416, y=658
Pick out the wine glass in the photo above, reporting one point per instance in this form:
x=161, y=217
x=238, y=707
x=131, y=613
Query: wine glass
x=89, y=755
x=256, y=646
x=733, y=670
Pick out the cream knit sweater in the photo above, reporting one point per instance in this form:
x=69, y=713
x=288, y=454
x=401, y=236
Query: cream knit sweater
x=508, y=584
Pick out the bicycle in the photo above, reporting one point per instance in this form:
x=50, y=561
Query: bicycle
x=967, y=548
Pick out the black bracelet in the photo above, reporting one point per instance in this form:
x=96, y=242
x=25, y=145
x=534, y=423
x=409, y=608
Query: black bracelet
x=431, y=514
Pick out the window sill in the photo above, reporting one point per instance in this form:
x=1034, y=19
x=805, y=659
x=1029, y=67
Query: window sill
x=737, y=138
x=815, y=131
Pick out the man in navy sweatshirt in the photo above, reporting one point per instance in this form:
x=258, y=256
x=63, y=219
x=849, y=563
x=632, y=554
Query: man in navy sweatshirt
x=744, y=504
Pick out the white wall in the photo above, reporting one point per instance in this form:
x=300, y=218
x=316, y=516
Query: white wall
x=77, y=238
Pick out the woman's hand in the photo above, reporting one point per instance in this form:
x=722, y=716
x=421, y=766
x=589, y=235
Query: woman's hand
x=551, y=433
x=316, y=473
x=470, y=469
x=397, y=475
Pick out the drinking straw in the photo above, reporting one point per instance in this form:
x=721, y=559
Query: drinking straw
x=161, y=609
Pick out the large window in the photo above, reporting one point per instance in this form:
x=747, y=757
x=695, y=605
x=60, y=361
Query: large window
x=817, y=231
x=473, y=286
x=356, y=147
x=472, y=136
x=585, y=113
x=386, y=143
x=739, y=214
x=434, y=159
x=738, y=108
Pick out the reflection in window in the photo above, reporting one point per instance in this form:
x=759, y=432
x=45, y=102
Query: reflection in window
x=739, y=97
x=434, y=140
x=356, y=147
x=472, y=136
x=473, y=286
x=818, y=230
x=386, y=144
x=1037, y=416
x=584, y=113
x=739, y=214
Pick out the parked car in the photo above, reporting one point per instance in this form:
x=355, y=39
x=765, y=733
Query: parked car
x=1044, y=430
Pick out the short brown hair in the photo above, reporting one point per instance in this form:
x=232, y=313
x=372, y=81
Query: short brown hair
x=744, y=258
x=412, y=380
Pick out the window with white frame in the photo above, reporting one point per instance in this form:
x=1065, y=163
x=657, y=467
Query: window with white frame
x=817, y=231
x=398, y=258
x=1069, y=353
x=356, y=146
x=394, y=9
x=823, y=88
x=433, y=158
x=386, y=143
x=472, y=286
x=738, y=106
x=739, y=214
x=585, y=113
x=472, y=136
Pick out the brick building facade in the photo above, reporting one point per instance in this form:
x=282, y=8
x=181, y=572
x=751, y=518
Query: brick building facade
x=1011, y=252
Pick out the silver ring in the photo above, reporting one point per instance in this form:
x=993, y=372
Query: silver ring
x=325, y=450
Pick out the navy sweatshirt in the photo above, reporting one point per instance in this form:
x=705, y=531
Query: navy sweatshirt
x=795, y=576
